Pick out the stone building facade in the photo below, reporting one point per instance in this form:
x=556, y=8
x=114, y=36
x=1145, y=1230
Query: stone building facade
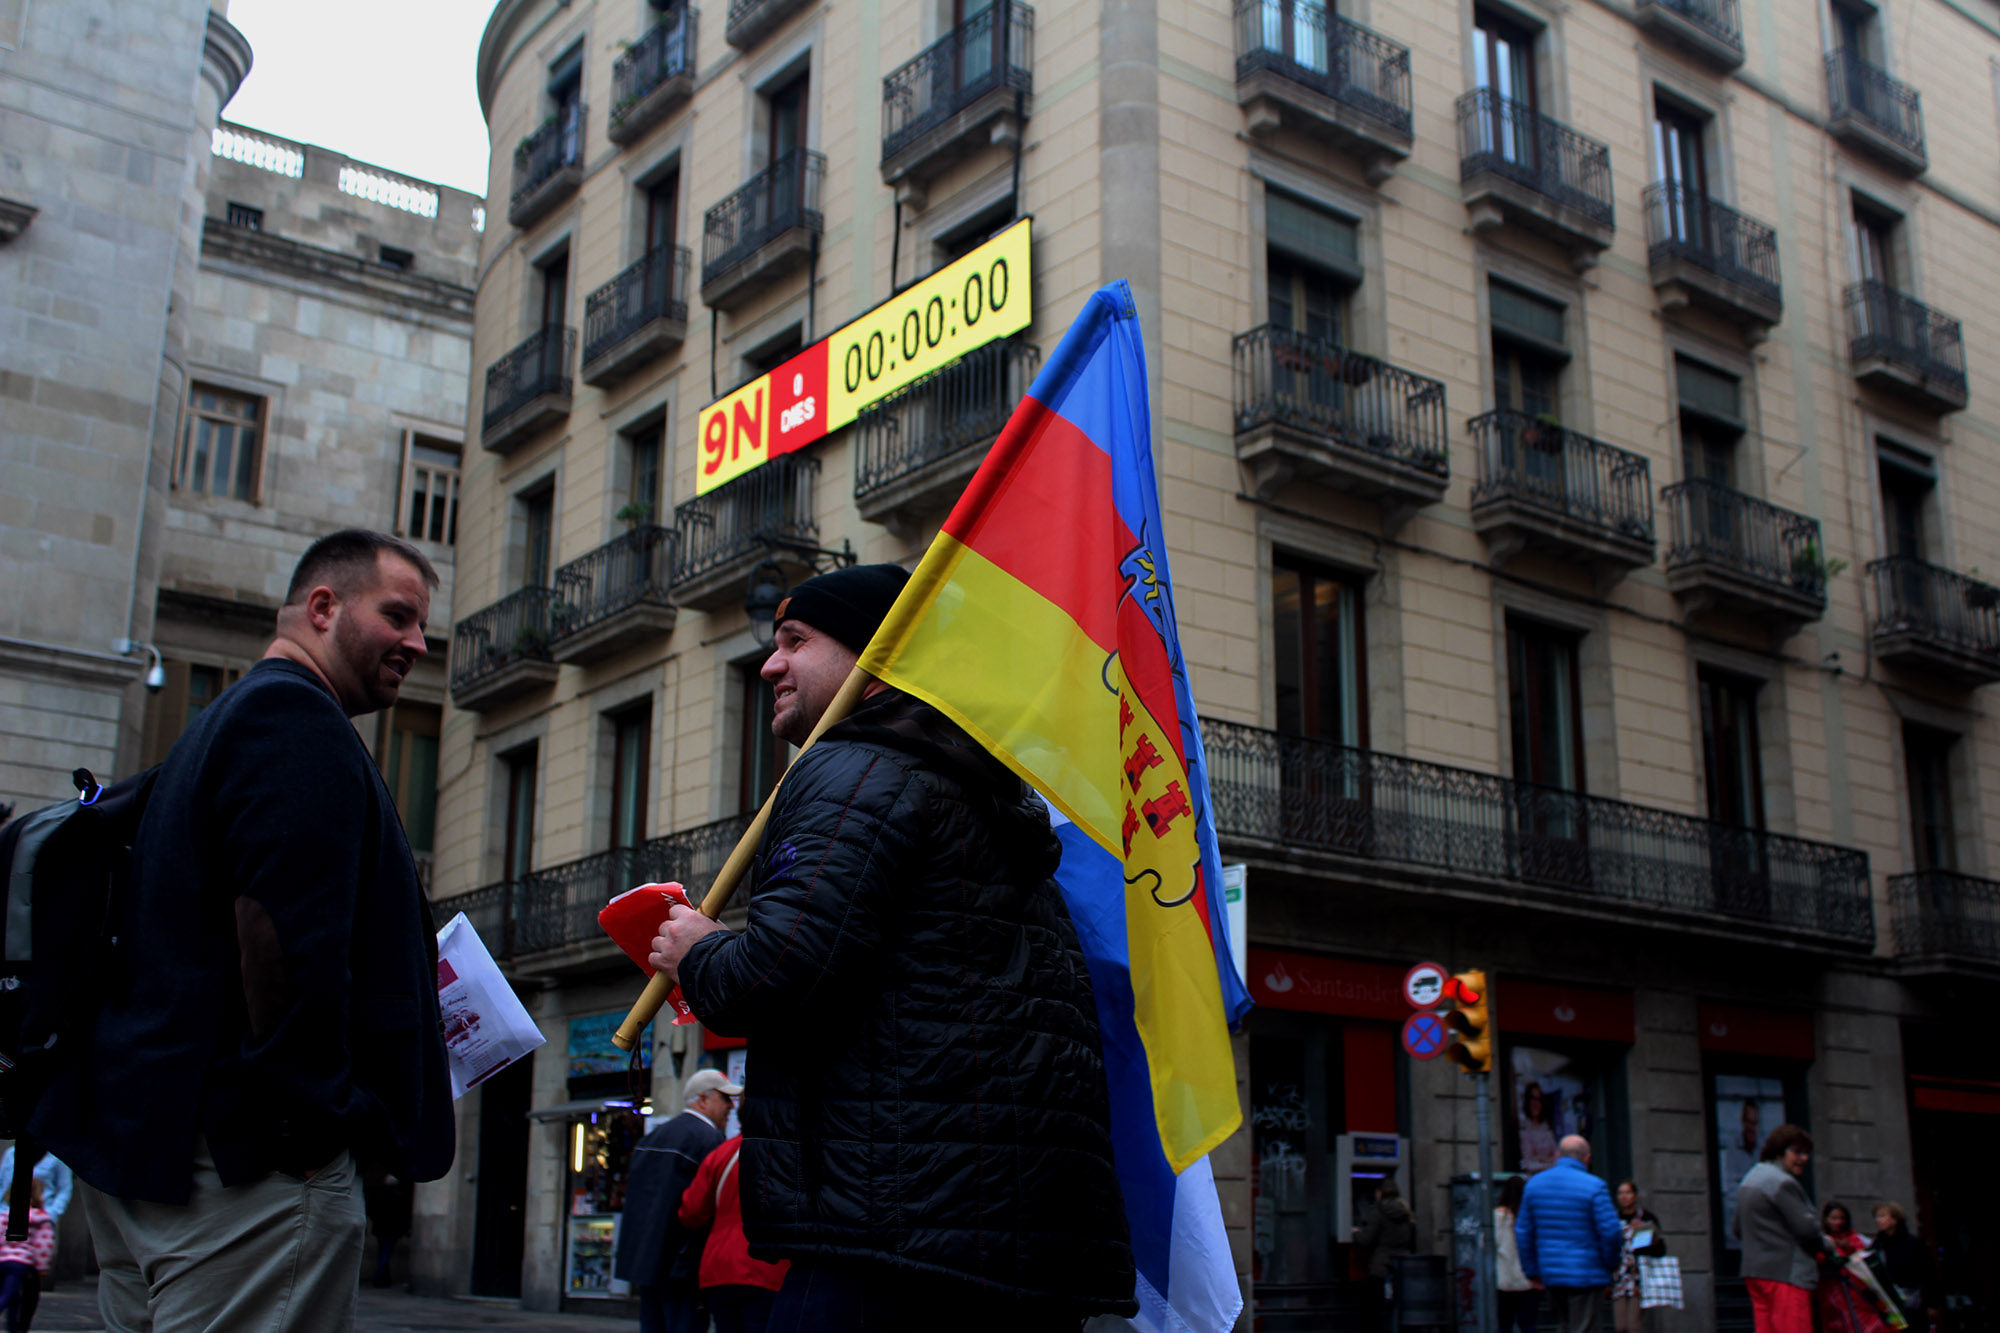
x=1572, y=424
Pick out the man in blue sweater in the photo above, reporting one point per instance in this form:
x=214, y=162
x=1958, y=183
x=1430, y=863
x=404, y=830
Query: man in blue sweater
x=1569, y=1236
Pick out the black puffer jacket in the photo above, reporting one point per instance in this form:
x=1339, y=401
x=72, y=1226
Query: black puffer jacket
x=926, y=1089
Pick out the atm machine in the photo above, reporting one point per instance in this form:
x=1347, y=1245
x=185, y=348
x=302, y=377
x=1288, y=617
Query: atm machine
x=1360, y=1163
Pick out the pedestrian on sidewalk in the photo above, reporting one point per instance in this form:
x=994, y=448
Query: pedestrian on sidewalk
x=737, y=1289
x=1780, y=1234
x=1519, y=1298
x=1642, y=1238
x=1912, y=1273
x=276, y=1015
x=657, y=1254
x=24, y=1264
x=1391, y=1230
x=1569, y=1236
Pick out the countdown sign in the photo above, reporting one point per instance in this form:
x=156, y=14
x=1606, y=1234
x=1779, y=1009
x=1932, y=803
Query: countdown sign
x=970, y=302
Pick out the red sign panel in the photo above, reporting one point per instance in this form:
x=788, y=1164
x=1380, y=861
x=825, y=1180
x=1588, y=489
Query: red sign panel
x=1281, y=980
x=1532, y=1008
x=1742, y=1030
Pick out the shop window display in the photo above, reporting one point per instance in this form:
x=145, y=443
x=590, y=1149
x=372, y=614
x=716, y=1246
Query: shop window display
x=1554, y=1093
x=1746, y=1101
x=601, y=1140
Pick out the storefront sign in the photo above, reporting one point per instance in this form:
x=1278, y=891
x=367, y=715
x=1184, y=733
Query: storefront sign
x=1319, y=985
x=981, y=297
x=1786, y=1034
x=592, y=1052
x=1563, y=1011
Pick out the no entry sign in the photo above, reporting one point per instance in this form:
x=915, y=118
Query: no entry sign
x=1423, y=985
x=1424, y=1036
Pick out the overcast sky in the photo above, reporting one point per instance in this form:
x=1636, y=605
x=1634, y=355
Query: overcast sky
x=384, y=81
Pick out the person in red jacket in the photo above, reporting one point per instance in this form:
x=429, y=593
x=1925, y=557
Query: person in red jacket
x=737, y=1289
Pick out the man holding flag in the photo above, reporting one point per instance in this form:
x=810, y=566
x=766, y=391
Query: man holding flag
x=933, y=1150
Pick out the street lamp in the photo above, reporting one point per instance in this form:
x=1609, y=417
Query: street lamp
x=767, y=583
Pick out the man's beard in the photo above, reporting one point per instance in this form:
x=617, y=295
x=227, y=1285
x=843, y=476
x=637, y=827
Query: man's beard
x=365, y=664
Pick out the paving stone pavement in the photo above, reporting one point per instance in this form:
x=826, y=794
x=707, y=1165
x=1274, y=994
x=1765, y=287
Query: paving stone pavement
x=72, y=1308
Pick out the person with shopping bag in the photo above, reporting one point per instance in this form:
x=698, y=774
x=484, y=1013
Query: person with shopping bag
x=1643, y=1239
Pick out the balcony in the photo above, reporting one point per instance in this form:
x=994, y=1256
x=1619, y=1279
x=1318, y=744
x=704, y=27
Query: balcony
x=1391, y=822
x=1733, y=552
x=1898, y=344
x=637, y=316
x=914, y=451
x=528, y=390
x=1310, y=410
x=1300, y=66
x=616, y=596
x=968, y=87
x=546, y=921
x=762, y=232
x=1933, y=621
x=653, y=77
x=1945, y=920
x=1543, y=487
x=731, y=530
x=1518, y=166
x=1710, y=29
x=1707, y=255
x=502, y=652
x=1874, y=113
x=548, y=167
x=750, y=20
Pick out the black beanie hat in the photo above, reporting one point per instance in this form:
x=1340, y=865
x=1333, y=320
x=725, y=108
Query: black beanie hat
x=850, y=604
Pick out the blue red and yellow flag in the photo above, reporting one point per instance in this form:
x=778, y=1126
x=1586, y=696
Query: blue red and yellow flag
x=1041, y=620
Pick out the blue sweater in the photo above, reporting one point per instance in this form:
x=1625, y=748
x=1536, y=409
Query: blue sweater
x=1568, y=1233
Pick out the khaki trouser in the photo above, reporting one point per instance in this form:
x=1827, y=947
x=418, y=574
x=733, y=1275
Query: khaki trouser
x=278, y=1255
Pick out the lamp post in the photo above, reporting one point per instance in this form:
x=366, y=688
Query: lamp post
x=767, y=588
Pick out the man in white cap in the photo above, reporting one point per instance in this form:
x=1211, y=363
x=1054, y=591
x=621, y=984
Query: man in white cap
x=656, y=1254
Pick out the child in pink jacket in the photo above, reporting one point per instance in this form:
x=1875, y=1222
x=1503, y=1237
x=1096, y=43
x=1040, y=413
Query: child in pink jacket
x=24, y=1263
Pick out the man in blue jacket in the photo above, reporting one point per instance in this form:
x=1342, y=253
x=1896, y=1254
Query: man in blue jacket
x=1569, y=1236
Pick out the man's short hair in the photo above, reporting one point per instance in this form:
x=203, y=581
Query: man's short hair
x=1782, y=1138
x=346, y=560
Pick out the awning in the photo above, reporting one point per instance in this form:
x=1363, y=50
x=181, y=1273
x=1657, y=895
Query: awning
x=584, y=1106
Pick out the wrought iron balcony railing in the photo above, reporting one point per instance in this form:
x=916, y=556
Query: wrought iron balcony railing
x=556, y=144
x=633, y=567
x=750, y=20
x=666, y=51
x=1943, y=912
x=951, y=409
x=773, y=504
x=654, y=288
x=1916, y=599
x=537, y=367
x=1718, y=18
x=1327, y=54
x=1524, y=458
x=1294, y=379
x=1685, y=224
x=1884, y=324
x=1517, y=143
x=1867, y=93
x=782, y=196
x=1280, y=788
x=993, y=49
x=518, y=627
x=548, y=909
x=1714, y=524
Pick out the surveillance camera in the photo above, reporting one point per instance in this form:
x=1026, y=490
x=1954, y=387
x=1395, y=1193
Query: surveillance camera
x=156, y=678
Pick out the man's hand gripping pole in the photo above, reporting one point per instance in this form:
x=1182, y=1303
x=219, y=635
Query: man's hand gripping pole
x=654, y=997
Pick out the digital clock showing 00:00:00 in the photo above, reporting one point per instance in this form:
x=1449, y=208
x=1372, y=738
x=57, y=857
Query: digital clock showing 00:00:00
x=984, y=295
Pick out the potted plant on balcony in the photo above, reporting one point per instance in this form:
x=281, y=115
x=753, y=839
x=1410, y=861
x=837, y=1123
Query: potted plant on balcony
x=1810, y=566
x=1544, y=432
x=529, y=641
x=637, y=514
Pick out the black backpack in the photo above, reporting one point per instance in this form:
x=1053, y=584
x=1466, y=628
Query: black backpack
x=66, y=868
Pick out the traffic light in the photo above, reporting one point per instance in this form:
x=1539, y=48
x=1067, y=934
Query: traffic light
x=1469, y=1019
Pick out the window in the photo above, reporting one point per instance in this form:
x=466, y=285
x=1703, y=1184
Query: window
x=631, y=733
x=764, y=755
x=1856, y=32
x=1546, y=712
x=430, y=489
x=1711, y=412
x=787, y=106
x=1729, y=750
x=642, y=491
x=1927, y=769
x=410, y=770
x=246, y=217
x=221, y=444
x=566, y=91
x=1874, y=244
x=662, y=206
x=1316, y=629
x=555, y=290
x=1907, y=482
x=769, y=356
x=1503, y=64
x=517, y=855
x=538, y=521
x=1297, y=30
x=1529, y=350
x=191, y=687
x=1313, y=261
x=1680, y=163
x=390, y=257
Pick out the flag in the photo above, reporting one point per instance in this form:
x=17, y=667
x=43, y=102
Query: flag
x=1041, y=621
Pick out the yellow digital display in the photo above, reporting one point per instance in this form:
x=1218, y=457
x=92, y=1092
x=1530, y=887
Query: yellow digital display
x=977, y=298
